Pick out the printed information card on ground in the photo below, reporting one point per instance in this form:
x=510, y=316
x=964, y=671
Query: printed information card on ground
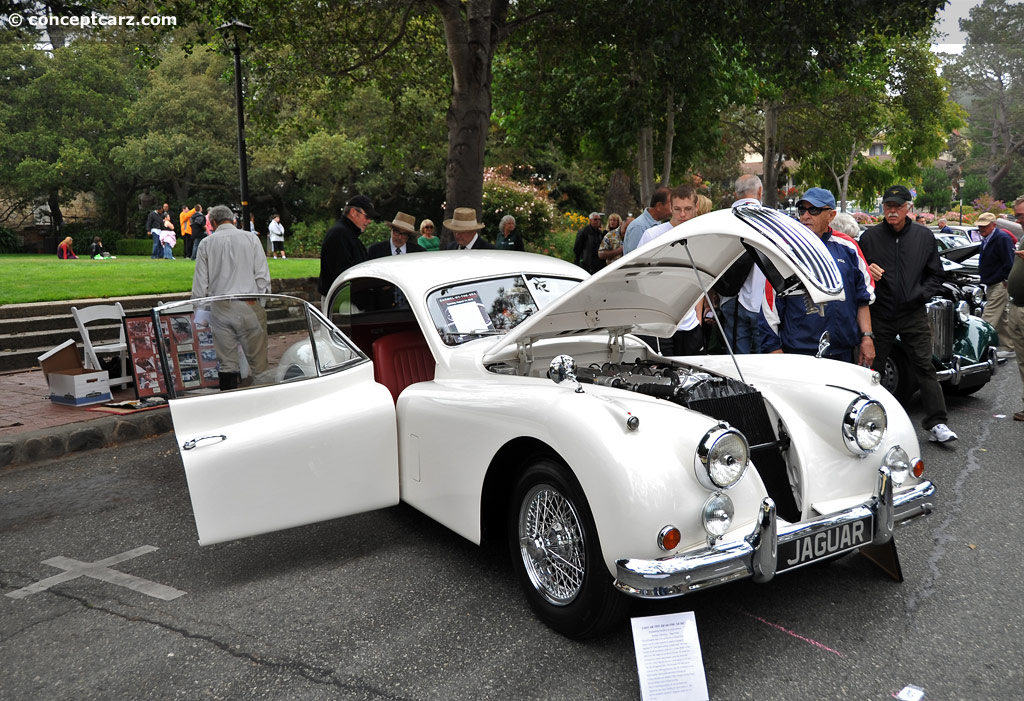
x=668, y=658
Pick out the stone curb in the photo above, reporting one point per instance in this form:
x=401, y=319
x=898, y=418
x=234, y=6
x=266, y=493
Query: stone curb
x=59, y=441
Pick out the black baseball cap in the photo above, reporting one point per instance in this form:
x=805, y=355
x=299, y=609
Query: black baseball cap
x=363, y=202
x=897, y=193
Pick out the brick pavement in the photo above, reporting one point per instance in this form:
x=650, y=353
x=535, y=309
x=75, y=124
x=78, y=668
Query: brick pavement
x=32, y=428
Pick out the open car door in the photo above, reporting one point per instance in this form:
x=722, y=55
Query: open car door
x=277, y=416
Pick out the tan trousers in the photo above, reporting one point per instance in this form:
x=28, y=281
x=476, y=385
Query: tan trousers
x=996, y=297
x=235, y=323
x=1015, y=330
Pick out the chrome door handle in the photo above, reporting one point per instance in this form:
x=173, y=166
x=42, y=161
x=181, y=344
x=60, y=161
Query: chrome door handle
x=190, y=444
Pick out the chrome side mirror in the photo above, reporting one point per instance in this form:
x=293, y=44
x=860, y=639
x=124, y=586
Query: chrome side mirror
x=562, y=368
x=823, y=343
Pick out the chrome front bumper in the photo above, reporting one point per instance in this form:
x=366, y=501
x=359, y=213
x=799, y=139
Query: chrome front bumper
x=960, y=370
x=756, y=555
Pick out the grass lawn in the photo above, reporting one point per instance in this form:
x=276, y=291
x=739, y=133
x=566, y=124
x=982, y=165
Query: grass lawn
x=40, y=278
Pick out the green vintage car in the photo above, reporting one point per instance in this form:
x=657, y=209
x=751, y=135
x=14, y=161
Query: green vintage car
x=963, y=352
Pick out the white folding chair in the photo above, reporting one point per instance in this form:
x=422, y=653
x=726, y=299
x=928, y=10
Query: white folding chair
x=103, y=312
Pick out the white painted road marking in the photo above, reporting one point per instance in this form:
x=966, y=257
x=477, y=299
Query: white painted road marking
x=99, y=570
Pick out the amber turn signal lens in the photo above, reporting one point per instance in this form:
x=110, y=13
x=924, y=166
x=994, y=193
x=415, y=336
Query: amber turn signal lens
x=918, y=467
x=669, y=538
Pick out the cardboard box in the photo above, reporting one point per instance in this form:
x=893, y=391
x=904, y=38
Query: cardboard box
x=69, y=382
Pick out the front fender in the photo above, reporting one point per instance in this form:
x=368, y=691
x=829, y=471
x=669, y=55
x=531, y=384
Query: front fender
x=972, y=339
x=809, y=396
x=636, y=481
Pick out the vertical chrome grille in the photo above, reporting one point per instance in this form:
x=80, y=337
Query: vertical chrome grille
x=746, y=411
x=940, y=319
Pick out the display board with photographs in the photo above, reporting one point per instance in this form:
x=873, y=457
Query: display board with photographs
x=190, y=353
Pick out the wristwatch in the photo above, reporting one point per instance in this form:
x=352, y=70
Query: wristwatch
x=869, y=334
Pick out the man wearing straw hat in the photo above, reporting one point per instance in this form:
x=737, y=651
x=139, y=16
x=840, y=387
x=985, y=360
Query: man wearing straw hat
x=466, y=230
x=402, y=226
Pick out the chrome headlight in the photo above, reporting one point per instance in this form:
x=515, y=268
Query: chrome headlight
x=722, y=458
x=898, y=463
x=717, y=514
x=975, y=294
x=864, y=425
x=963, y=310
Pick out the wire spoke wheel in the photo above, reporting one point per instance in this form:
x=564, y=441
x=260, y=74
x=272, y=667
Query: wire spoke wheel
x=556, y=552
x=551, y=544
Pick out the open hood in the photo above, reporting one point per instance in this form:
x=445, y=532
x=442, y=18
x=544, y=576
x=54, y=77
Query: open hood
x=958, y=255
x=651, y=289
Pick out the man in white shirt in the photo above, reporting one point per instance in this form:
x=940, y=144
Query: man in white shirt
x=276, y=235
x=688, y=338
x=652, y=216
x=740, y=313
x=231, y=261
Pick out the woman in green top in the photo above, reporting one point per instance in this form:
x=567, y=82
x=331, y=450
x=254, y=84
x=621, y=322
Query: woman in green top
x=427, y=240
x=507, y=238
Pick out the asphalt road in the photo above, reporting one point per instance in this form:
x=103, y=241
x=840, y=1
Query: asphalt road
x=389, y=605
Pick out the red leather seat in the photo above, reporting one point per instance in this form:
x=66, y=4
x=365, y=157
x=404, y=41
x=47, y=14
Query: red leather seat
x=402, y=359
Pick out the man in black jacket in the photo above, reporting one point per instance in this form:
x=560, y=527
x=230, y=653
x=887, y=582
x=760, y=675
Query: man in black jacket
x=155, y=220
x=588, y=240
x=904, y=263
x=341, y=248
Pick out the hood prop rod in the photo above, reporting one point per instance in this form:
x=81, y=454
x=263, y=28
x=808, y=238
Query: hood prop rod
x=714, y=312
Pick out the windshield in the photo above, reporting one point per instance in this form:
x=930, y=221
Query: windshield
x=492, y=306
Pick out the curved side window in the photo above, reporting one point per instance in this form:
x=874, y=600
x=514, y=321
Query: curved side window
x=333, y=351
x=232, y=342
x=366, y=309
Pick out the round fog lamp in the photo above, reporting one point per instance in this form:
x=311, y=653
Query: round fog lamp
x=864, y=425
x=717, y=514
x=898, y=463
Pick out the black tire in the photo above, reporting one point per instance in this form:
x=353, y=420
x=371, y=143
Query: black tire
x=578, y=600
x=898, y=377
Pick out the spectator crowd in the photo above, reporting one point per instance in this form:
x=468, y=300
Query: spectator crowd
x=889, y=272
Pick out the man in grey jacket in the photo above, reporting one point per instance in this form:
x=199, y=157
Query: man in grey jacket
x=231, y=261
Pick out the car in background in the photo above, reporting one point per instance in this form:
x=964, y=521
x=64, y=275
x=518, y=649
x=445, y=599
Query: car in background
x=963, y=352
x=964, y=231
x=507, y=396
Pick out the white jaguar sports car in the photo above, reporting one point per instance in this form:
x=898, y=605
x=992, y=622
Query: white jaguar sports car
x=507, y=396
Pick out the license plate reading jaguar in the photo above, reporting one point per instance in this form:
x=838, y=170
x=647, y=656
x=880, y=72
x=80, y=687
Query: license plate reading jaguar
x=815, y=546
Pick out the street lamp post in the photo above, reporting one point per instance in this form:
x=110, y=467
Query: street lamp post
x=234, y=34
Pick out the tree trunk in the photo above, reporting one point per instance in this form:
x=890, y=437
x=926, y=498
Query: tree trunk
x=770, y=165
x=618, y=197
x=670, y=135
x=56, y=217
x=843, y=182
x=645, y=164
x=472, y=32
x=181, y=189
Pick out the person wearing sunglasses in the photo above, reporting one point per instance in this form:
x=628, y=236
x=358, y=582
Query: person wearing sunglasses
x=904, y=263
x=428, y=241
x=794, y=323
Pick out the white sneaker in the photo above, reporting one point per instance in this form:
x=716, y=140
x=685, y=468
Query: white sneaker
x=1005, y=354
x=940, y=433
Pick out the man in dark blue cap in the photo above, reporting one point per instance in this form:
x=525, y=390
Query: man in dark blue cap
x=341, y=248
x=794, y=323
x=904, y=263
